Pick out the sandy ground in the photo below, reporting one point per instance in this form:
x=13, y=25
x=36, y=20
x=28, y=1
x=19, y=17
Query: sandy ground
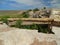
x=56, y=30
x=15, y=36
x=26, y=37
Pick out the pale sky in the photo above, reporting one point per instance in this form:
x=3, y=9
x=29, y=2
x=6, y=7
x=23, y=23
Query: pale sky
x=28, y=4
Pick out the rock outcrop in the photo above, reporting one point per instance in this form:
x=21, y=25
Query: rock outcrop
x=26, y=37
x=15, y=36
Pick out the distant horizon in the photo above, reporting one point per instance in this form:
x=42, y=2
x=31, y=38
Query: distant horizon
x=28, y=4
x=25, y=9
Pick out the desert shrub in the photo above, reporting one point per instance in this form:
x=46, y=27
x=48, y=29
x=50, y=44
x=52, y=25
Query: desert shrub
x=33, y=26
x=29, y=10
x=5, y=20
x=43, y=28
x=25, y=26
x=25, y=14
x=36, y=9
x=6, y=16
x=18, y=23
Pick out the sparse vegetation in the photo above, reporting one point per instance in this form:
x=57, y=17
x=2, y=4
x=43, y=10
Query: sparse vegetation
x=40, y=28
x=25, y=15
x=36, y=9
x=18, y=24
x=4, y=20
x=29, y=10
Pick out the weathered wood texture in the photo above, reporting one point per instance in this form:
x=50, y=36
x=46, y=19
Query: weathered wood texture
x=29, y=21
